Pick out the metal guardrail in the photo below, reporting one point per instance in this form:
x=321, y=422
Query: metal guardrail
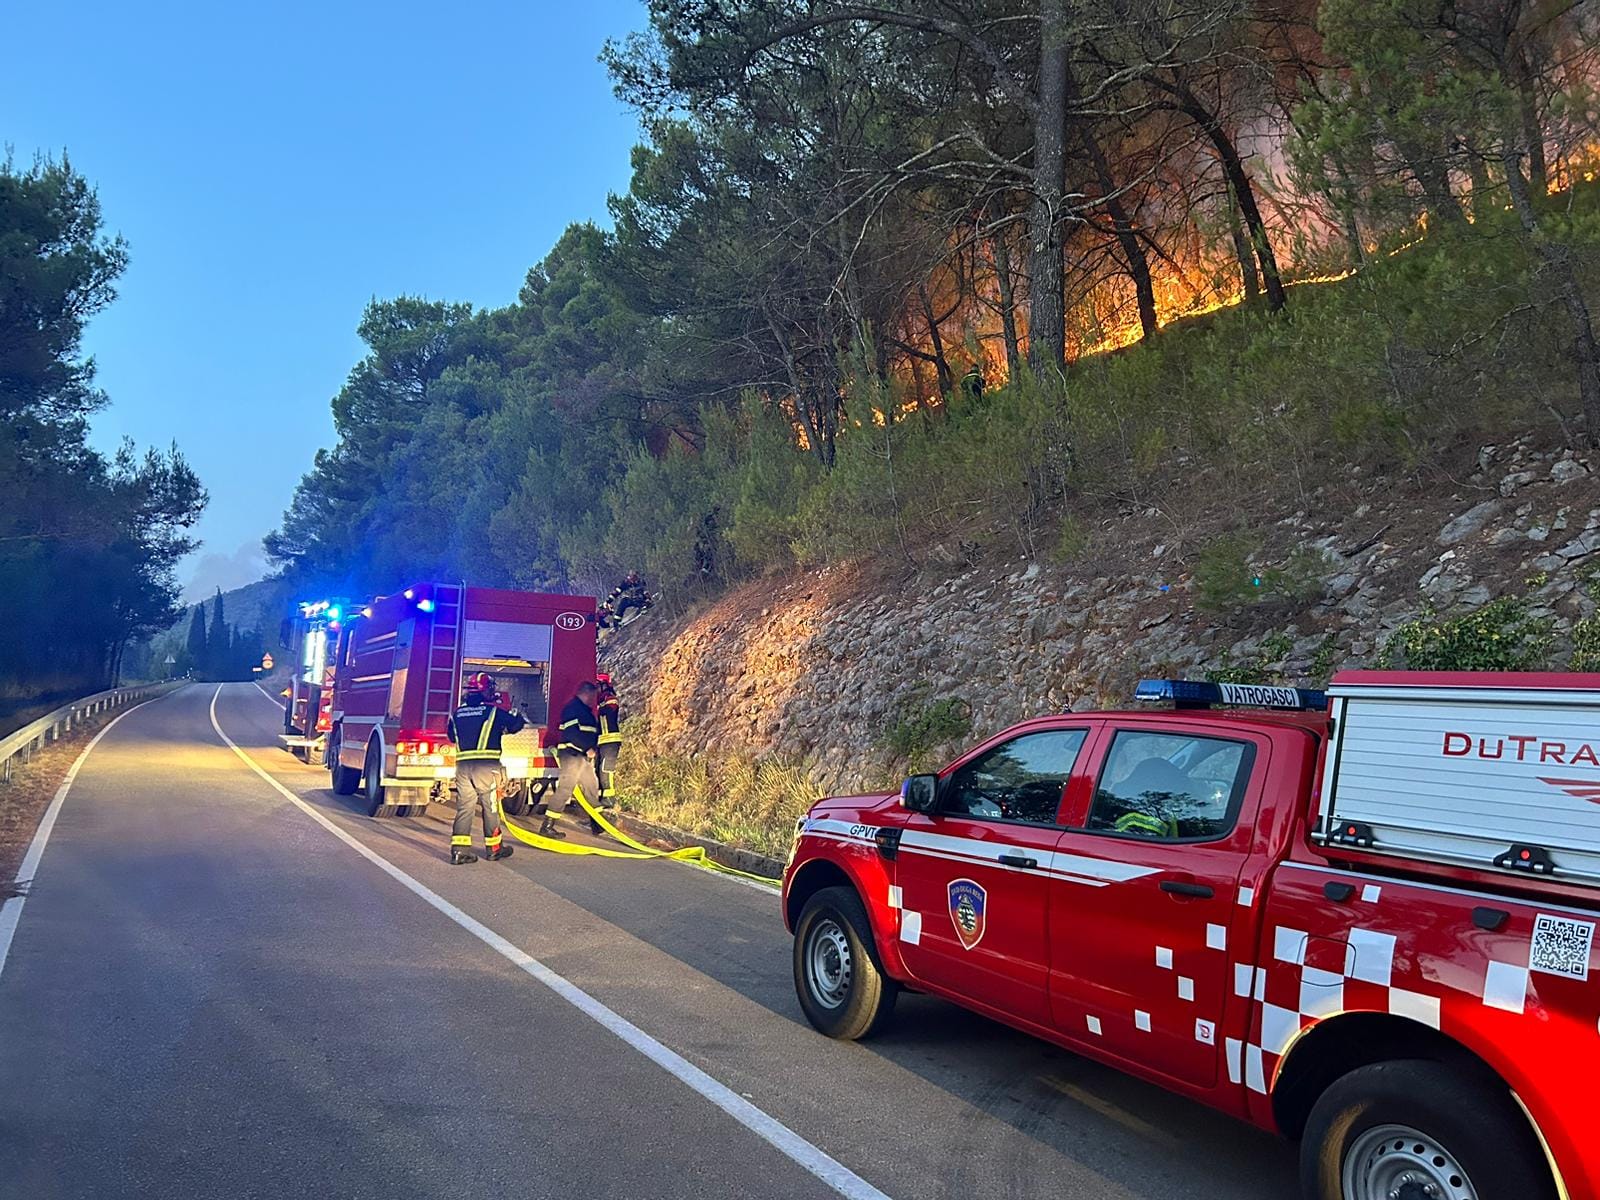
x=53, y=726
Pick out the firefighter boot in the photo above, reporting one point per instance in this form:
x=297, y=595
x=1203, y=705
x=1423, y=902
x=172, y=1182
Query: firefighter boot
x=548, y=828
x=497, y=852
x=460, y=857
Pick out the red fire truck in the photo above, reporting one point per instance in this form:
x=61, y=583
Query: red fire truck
x=1364, y=920
x=399, y=665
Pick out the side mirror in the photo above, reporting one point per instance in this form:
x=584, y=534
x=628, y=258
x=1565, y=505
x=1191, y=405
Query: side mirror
x=920, y=793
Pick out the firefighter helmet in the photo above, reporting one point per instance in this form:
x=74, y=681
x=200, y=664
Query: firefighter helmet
x=481, y=681
x=602, y=678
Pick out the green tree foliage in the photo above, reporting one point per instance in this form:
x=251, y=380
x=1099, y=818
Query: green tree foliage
x=840, y=208
x=1436, y=92
x=88, y=543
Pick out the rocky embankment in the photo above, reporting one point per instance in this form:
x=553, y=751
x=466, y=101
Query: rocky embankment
x=817, y=667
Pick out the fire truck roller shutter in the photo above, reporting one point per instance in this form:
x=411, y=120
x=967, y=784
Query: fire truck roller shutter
x=506, y=640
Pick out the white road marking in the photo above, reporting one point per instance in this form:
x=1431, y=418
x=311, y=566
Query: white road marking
x=277, y=701
x=809, y=1157
x=11, y=910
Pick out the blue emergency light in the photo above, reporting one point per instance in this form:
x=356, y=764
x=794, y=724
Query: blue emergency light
x=1199, y=693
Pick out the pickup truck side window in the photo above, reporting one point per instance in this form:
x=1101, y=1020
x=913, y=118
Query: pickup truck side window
x=1019, y=780
x=1170, y=787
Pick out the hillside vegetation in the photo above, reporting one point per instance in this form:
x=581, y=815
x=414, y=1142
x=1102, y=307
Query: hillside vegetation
x=892, y=284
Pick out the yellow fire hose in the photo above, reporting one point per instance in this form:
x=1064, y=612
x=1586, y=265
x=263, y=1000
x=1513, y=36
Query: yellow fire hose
x=693, y=855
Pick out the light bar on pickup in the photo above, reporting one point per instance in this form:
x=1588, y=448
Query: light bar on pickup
x=1199, y=693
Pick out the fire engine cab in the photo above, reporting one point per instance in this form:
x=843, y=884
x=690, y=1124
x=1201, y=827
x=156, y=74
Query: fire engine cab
x=398, y=668
x=310, y=635
x=1363, y=919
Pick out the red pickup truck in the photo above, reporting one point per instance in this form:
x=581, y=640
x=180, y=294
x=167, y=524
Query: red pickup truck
x=1365, y=920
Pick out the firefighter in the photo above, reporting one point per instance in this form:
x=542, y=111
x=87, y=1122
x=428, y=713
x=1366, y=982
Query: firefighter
x=580, y=733
x=630, y=593
x=974, y=382
x=610, y=742
x=476, y=728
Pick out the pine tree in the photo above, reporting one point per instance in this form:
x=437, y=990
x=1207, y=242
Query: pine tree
x=217, y=639
x=197, y=639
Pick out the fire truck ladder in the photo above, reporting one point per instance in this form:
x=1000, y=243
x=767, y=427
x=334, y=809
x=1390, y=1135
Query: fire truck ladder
x=444, y=654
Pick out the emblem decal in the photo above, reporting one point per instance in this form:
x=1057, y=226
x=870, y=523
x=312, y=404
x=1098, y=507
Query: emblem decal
x=968, y=911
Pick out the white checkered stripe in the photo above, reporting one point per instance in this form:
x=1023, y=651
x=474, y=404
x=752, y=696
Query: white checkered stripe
x=1309, y=979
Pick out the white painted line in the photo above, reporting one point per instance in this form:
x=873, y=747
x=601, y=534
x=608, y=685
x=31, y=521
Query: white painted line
x=809, y=1157
x=277, y=701
x=11, y=910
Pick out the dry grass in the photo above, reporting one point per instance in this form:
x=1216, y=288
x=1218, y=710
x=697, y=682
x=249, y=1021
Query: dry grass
x=734, y=798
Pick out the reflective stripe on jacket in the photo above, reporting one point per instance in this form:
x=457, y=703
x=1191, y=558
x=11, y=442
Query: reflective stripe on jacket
x=476, y=729
x=578, y=729
x=610, y=722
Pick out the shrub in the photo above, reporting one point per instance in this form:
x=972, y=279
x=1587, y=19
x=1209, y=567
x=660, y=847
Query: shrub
x=1500, y=636
x=1226, y=577
x=926, y=727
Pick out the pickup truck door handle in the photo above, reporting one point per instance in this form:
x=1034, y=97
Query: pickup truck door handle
x=1017, y=860
x=1182, y=887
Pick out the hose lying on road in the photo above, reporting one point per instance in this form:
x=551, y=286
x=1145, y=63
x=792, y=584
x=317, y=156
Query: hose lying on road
x=693, y=855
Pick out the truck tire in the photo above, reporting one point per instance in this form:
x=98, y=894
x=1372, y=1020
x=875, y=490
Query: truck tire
x=1409, y=1126
x=514, y=797
x=344, y=778
x=372, y=789
x=841, y=985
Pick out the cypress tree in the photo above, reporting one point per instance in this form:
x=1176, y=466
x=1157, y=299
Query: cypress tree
x=197, y=639
x=217, y=638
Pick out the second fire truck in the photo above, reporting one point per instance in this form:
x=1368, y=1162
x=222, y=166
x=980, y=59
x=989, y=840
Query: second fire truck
x=398, y=666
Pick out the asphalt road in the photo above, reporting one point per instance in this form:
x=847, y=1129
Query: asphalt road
x=211, y=995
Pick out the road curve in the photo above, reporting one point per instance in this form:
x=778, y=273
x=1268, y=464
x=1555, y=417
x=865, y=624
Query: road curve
x=210, y=994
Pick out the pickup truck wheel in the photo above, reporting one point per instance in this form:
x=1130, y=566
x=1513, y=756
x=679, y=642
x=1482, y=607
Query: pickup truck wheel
x=344, y=778
x=1413, y=1130
x=842, y=988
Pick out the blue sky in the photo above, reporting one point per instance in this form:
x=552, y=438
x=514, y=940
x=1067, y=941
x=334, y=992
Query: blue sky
x=275, y=167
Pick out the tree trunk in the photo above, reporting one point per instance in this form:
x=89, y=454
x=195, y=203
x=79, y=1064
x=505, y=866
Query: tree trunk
x=1557, y=257
x=1243, y=192
x=819, y=445
x=1047, y=316
x=1243, y=251
x=1482, y=186
x=1008, y=301
x=1122, y=228
x=1532, y=130
x=1429, y=171
x=947, y=381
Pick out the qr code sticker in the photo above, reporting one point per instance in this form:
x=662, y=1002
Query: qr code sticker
x=1561, y=946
